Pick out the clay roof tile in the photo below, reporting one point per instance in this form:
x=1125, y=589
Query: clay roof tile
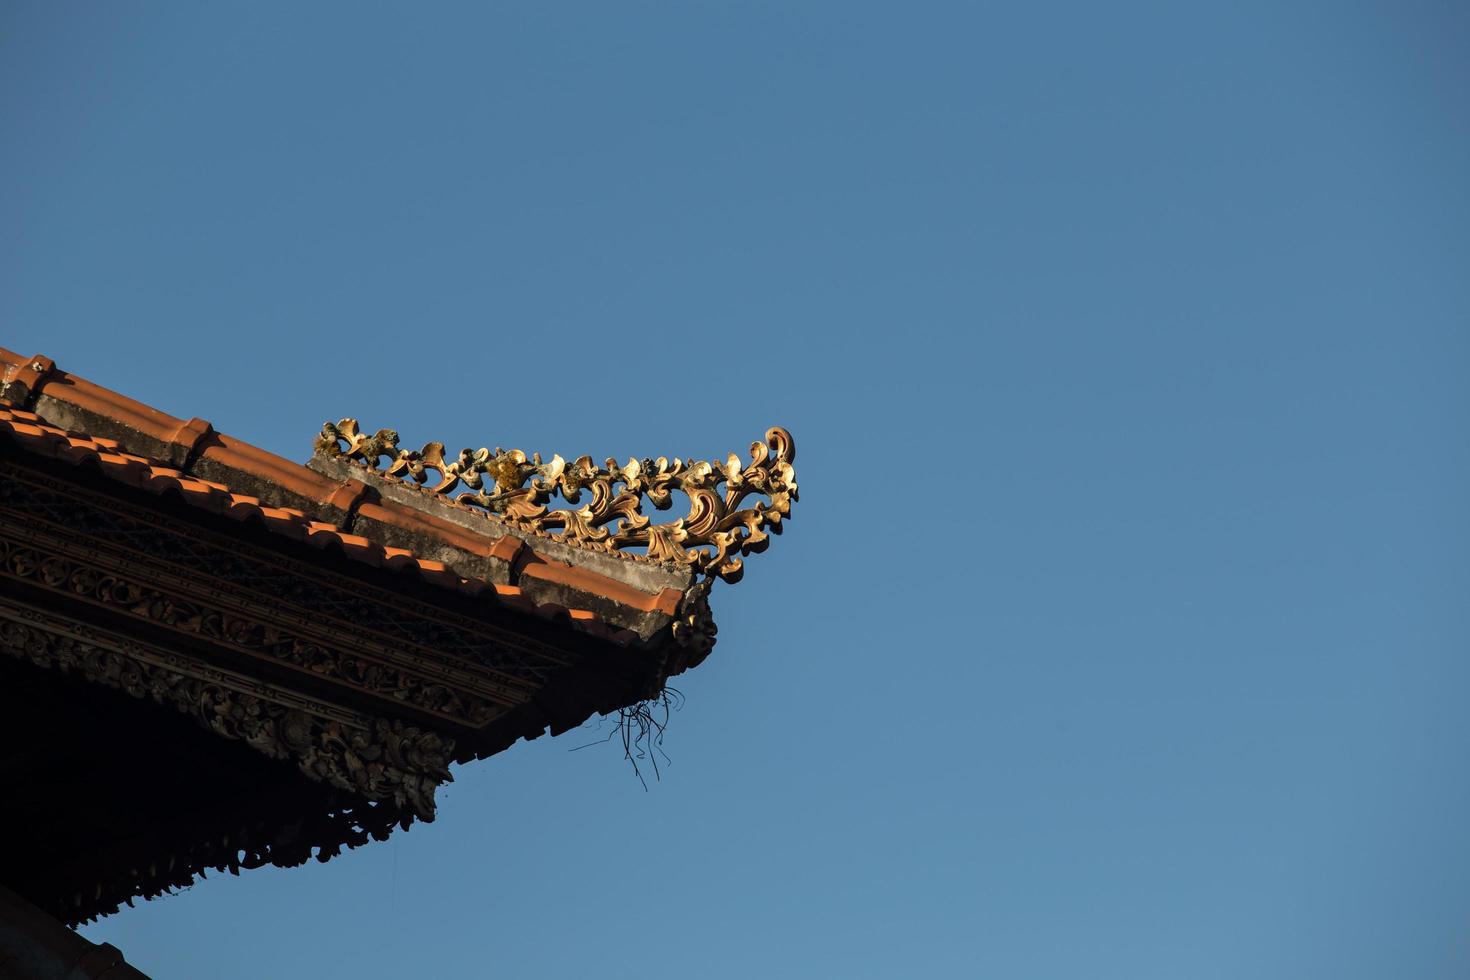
x=226, y=466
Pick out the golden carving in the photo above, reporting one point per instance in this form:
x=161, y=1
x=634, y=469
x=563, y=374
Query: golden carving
x=721, y=526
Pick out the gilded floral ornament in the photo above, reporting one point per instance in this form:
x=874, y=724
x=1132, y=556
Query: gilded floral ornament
x=720, y=528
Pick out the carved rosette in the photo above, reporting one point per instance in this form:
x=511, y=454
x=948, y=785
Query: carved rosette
x=726, y=519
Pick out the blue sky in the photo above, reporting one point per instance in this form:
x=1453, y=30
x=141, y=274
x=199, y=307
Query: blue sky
x=1121, y=630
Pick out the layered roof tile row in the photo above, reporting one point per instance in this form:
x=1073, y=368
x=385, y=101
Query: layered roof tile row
x=53, y=414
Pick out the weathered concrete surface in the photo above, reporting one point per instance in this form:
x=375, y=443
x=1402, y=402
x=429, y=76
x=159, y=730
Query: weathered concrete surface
x=143, y=434
x=645, y=576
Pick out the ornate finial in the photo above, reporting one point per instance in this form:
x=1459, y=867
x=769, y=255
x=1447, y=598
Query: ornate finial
x=719, y=529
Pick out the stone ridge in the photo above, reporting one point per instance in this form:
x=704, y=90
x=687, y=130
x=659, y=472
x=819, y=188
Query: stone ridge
x=52, y=413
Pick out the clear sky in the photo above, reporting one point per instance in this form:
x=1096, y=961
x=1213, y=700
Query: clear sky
x=1121, y=631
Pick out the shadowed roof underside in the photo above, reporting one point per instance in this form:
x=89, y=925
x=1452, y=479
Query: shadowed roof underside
x=260, y=661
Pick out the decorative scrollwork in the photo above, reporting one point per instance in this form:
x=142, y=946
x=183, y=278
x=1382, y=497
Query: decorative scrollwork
x=719, y=529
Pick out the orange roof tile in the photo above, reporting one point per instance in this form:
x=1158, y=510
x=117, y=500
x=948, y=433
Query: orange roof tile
x=29, y=432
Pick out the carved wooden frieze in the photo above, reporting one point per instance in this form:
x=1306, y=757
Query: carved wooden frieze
x=379, y=643
x=377, y=758
x=94, y=583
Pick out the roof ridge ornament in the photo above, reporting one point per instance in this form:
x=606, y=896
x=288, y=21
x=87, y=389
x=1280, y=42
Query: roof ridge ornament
x=712, y=538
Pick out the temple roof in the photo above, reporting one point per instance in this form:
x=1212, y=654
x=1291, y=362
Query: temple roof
x=30, y=432
x=351, y=626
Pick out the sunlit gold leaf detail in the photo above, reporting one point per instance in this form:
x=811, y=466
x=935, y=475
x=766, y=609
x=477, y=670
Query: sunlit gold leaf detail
x=719, y=529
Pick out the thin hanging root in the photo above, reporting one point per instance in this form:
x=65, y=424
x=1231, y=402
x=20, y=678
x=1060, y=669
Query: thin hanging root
x=642, y=728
